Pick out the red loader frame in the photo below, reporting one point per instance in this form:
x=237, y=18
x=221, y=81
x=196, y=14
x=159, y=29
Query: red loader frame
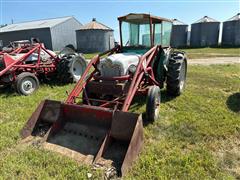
x=14, y=67
x=138, y=81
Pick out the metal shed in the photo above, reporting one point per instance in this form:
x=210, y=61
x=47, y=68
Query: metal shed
x=179, y=34
x=231, y=31
x=204, y=32
x=94, y=37
x=54, y=33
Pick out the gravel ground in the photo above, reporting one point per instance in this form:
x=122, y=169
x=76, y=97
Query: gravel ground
x=217, y=60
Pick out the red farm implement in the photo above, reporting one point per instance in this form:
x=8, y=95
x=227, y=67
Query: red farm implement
x=24, y=66
x=16, y=46
x=93, y=125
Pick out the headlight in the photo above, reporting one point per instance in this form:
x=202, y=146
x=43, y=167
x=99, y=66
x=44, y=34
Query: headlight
x=132, y=69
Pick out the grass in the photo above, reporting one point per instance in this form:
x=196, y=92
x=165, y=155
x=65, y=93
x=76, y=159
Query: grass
x=196, y=137
x=90, y=55
x=198, y=53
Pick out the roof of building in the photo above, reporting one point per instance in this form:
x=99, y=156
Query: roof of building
x=142, y=17
x=235, y=18
x=176, y=22
x=206, y=19
x=38, y=24
x=95, y=25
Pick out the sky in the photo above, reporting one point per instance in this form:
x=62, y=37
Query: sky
x=107, y=11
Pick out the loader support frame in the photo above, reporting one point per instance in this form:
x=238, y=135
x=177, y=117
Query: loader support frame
x=19, y=65
x=144, y=69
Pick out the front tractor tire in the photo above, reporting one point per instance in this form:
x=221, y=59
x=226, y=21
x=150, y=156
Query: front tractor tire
x=176, y=74
x=153, y=103
x=26, y=83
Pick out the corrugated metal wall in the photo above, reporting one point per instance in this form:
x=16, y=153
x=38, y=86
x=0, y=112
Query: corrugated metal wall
x=89, y=41
x=231, y=33
x=179, y=36
x=64, y=34
x=204, y=34
x=43, y=34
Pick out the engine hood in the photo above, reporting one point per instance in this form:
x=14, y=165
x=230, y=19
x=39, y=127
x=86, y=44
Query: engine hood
x=119, y=63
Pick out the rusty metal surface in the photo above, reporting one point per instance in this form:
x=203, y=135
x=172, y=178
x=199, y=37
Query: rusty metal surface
x=123, y=125
x=137, y=17
x=135, y=146
x=48, y=111
x=88, y=134
x=28, y=128
x=106, y=87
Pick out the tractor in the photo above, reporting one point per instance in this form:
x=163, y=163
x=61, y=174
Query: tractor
x=23, y=64
x=94, y=124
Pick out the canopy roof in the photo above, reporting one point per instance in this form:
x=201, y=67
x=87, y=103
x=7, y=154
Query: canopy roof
x=142, y=18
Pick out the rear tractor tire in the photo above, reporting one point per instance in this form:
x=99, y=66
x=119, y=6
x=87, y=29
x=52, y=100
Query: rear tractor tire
x=71, y=47
x=2, y=66
x=153, y=103
x=70, y=68
x=176, y=74
x=26, y=83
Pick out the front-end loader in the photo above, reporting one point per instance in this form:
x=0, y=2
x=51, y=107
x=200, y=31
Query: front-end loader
x=23, y=65
x=94, y=124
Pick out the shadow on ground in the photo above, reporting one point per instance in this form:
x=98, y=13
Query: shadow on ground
x=233, y=102
x=7, y=91
x=141, y=100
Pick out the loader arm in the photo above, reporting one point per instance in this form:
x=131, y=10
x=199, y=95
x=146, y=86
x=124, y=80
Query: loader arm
x=145, y=60
x=12, y=63
x=81, y=84
x=144, y=67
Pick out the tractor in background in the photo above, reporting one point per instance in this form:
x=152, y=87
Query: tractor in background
x=23, y=64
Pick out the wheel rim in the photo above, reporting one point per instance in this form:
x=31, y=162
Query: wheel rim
x=28, y=85
x=182, y=75
x=77, y=69
x=157, y=104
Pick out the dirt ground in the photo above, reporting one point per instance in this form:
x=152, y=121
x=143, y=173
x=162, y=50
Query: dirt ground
x=217, y=60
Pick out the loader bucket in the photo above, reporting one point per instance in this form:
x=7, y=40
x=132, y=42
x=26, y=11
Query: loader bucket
x=91, y=135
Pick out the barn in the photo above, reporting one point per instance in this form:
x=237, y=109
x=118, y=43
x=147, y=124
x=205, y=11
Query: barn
x=231, y=31
x=179, y=34
x=94, y=37
x=205, y=32
x=55, y=33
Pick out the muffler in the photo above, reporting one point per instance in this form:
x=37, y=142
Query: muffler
x=89, y=134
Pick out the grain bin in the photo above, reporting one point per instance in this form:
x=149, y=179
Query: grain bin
x=179, y=34
x=94, y=37
x=231, y=31
x=204, y=32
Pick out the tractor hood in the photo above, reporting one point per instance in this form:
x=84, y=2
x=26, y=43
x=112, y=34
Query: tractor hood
x=118, y=64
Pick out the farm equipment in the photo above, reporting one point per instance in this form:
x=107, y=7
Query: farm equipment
x=99, y=129
x=23, y=66
x=15, y=46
